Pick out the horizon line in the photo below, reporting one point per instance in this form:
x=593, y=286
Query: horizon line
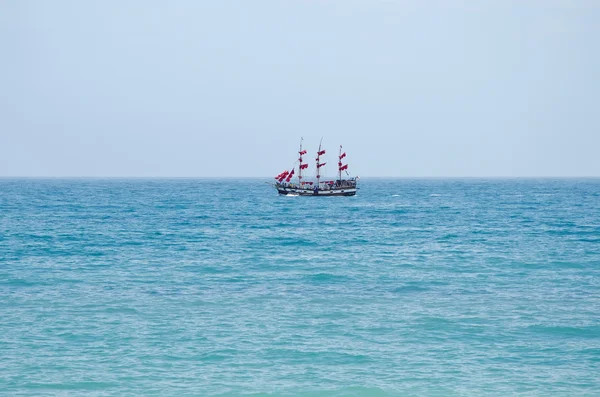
x=270, y=177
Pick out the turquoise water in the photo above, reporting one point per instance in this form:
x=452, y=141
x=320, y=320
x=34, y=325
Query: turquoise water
x=220, y=287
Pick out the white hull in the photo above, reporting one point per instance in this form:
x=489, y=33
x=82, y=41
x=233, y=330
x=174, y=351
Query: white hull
x=349, y=191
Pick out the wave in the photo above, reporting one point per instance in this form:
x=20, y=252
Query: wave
x=351, y=391
x=326, y=278
x=408, y=289
x=592, y=331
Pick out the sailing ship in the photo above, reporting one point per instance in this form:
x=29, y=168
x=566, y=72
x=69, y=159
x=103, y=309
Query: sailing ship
x=286, y=184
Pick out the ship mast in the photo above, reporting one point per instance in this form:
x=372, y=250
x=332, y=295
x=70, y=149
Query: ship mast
x=319, y=165
x=341, y=167
x=340, y=164
x=300, y=166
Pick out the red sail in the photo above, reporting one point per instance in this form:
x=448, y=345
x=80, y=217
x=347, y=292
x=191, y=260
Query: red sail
x=304, y=166
x=342, y=155
x=344, y=167
x=282, y=176
x=320, y=165
x=322, y=152
x=340, y=164
x=289, y=178
x=302, y=152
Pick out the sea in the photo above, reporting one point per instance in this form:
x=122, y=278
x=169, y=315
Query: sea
x=220, y=287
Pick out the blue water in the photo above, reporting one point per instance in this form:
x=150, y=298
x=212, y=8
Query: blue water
x=222, y=288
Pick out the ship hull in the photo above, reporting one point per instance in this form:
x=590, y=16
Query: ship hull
x=349, y=191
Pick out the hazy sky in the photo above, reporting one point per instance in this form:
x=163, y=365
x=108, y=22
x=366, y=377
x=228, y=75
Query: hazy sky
x=227, y=88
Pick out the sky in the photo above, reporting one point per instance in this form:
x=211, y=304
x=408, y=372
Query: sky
x=195, y=88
